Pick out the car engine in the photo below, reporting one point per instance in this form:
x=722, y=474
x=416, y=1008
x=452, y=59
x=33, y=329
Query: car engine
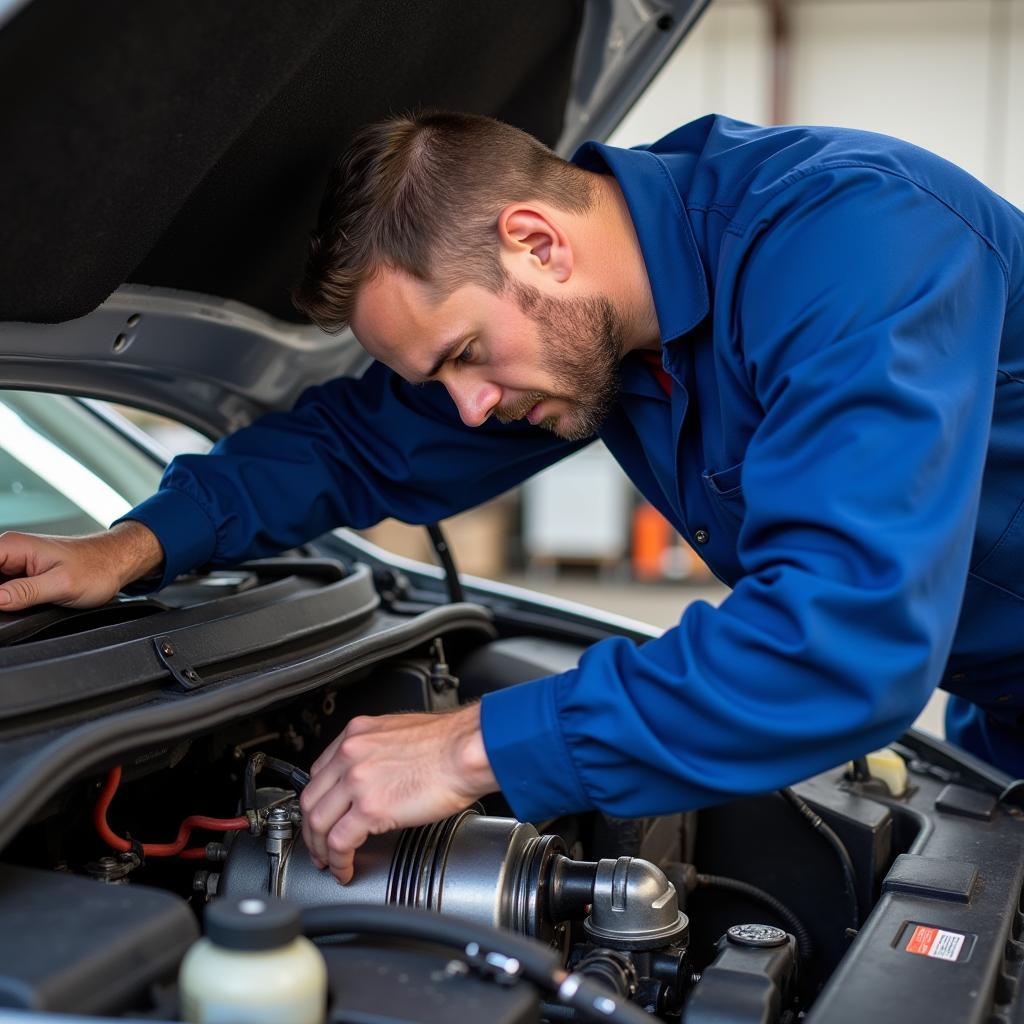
x=813, y=902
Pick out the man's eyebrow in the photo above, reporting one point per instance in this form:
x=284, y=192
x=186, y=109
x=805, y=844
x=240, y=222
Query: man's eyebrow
x=443, y=357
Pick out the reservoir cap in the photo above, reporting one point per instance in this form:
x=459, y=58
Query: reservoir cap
x=756, y=935
x=251, y=923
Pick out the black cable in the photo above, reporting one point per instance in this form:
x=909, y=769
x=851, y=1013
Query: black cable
x=486, y=949
x=804, y=943
x=444, y=556
x=260, y=762
x=849, y=876
x=686, y=878
x=252, y=769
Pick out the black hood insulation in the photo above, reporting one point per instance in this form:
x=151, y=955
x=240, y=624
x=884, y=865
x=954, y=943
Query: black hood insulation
x=186, y=145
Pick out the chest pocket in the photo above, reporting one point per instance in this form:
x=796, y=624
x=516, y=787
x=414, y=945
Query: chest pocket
x=725, y=490
x=1003, y=565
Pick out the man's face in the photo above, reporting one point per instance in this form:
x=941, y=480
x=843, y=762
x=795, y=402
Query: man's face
x=517, y=354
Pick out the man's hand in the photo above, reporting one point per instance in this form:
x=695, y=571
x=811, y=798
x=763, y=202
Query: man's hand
x=77, y=572
x=391, y=772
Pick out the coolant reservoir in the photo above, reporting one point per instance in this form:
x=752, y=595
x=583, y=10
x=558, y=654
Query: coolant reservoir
x=253, y=967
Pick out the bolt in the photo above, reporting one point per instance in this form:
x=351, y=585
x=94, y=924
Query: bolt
x=192, y=675
x=167, y=650
x=702, y=536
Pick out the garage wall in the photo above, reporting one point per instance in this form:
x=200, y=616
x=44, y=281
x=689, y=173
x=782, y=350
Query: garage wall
x=945, y=74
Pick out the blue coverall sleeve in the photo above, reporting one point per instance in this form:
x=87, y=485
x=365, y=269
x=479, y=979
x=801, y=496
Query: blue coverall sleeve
x=867, y=318
x=350, y=453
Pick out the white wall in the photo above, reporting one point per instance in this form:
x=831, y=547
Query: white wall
x=722, y=67
x=945, y=74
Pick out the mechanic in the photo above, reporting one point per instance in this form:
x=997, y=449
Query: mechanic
x=806, y=348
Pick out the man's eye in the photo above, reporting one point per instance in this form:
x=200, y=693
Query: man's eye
x=468, y=354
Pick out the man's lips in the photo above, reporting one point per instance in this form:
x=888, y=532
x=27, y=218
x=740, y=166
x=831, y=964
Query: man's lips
x=534, y=416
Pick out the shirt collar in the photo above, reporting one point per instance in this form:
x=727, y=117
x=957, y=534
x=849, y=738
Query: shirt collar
x=678, y=282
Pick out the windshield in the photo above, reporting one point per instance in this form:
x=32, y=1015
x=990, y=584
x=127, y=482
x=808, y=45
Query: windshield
x=64, y=469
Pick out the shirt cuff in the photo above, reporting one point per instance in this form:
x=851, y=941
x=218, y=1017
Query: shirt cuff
x=184, y=530
x=528, y=754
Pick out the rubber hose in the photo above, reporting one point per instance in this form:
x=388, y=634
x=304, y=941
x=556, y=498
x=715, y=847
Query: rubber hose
x=803, y=937
x=849, y=875
x=260, y=762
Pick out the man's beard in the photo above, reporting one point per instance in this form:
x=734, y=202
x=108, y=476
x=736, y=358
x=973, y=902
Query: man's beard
x=582, y=341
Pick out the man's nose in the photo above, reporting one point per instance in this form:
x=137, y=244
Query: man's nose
x=475, y=400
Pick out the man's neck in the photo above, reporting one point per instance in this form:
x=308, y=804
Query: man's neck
x=624, y=277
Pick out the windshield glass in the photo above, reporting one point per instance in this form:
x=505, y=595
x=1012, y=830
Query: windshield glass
x=64, y=469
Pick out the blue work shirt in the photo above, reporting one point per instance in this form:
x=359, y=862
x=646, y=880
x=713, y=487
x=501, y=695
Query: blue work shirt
x=842, y=321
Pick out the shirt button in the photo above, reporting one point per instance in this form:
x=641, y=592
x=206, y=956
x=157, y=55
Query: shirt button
x=701, y=536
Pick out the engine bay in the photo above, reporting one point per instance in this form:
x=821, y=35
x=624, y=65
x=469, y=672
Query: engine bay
x=129, y=807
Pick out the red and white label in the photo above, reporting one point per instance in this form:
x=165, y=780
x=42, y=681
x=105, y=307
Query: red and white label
x=935, y=942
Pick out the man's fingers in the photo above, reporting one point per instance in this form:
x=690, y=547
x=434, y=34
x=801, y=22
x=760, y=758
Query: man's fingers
x=342, y=842
x=16, y=595
x=319, y=783
x=15, y=554
x=361, y=725
x=322, y=818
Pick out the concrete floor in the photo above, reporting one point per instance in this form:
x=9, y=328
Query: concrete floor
x=661, y=604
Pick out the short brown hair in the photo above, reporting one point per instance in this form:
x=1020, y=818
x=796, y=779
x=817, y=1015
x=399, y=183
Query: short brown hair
x=396, y=193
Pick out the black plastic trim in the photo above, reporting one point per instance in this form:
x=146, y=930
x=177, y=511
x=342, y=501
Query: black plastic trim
x=117, y=658
x=96, y=745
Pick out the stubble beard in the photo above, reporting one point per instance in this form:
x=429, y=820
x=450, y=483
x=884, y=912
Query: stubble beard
x=583, y=341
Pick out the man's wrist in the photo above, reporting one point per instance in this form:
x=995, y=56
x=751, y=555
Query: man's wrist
x=474, y=766
x=139, y=552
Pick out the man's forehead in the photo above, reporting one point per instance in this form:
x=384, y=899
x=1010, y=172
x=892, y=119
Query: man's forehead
x=392, y=305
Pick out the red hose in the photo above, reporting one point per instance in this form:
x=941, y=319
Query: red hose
x=112, y=839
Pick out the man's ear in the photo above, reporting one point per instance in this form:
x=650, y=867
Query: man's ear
x=534, y=243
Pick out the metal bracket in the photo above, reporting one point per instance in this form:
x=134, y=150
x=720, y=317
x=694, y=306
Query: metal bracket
x=184, y=674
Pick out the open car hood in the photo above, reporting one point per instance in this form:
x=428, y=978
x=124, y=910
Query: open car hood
x=163, y=167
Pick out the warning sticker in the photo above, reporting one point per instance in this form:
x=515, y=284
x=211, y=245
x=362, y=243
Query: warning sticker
x=935, y=942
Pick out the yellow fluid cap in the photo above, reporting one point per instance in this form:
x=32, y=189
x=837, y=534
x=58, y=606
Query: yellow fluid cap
x=887, y=766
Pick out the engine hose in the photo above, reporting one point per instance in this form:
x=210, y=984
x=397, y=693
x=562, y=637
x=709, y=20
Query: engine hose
x=486, y=948
x=804, y=944
x=849, y=875
x=444, y=555
x=113, y=840
x=260, y=762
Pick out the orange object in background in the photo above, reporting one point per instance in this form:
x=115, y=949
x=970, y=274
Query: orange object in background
x=652, y=536
x=659, y=553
